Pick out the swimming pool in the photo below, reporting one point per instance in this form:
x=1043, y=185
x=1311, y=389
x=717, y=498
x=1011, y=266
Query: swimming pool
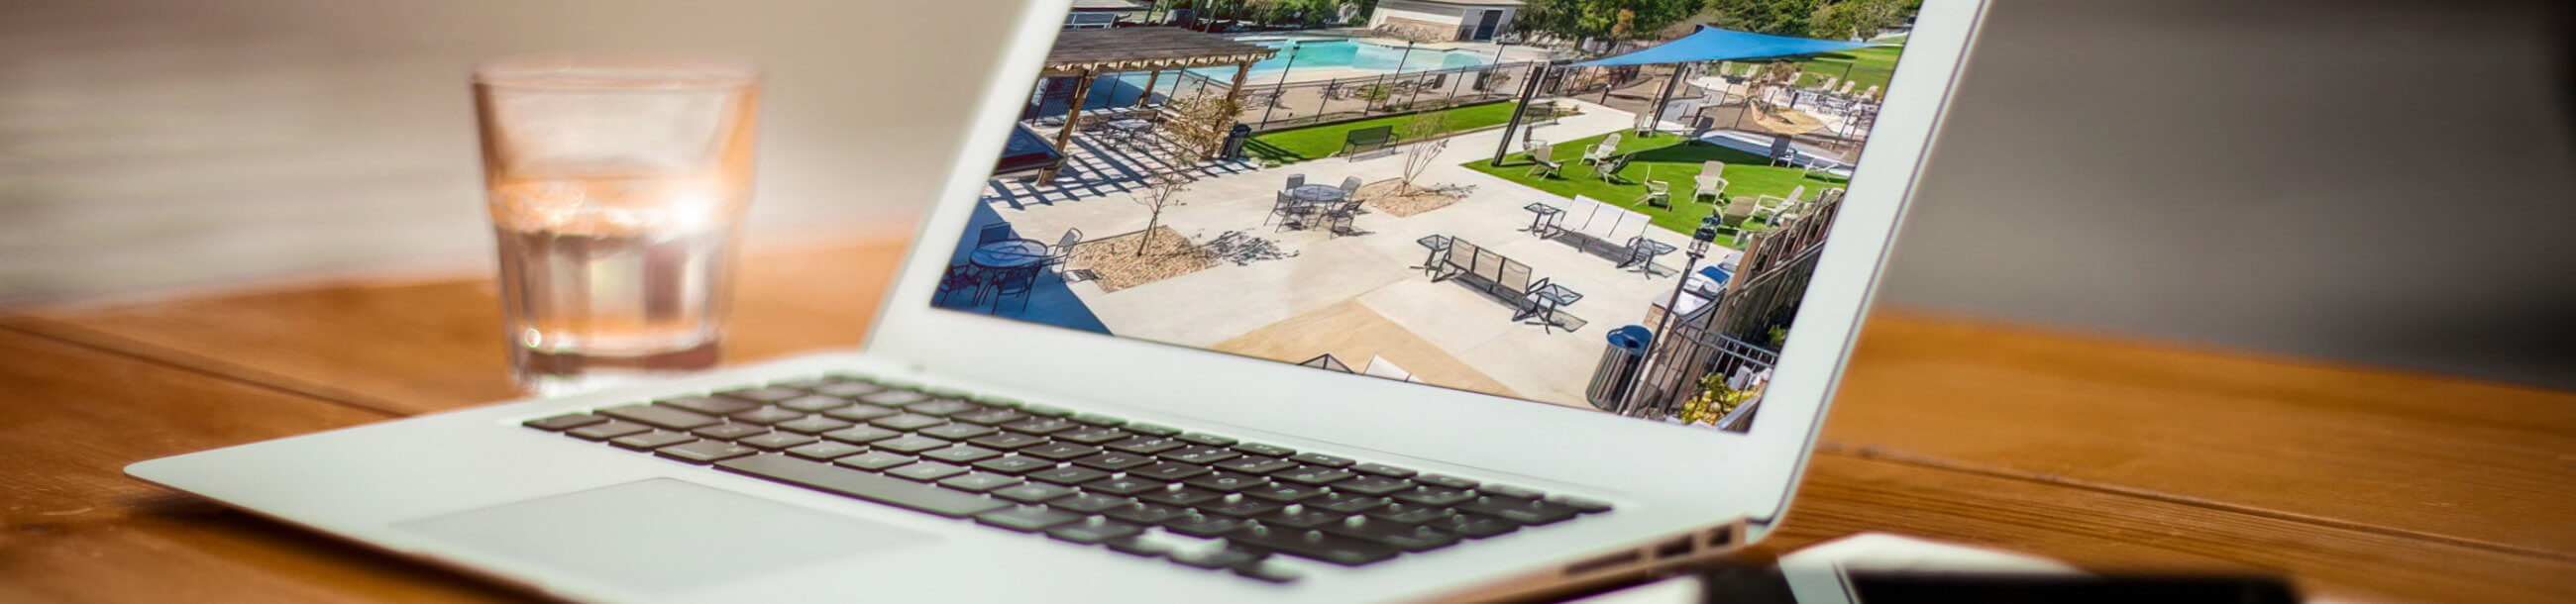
x=1301, y=55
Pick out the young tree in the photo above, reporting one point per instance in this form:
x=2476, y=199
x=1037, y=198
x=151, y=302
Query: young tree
x=1199, y=124
x=1162, y=192
x=1603, y=19
x=1424, y=129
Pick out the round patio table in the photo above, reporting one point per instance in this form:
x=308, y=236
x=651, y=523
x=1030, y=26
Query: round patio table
x=1014, y=253
x=1317, y=194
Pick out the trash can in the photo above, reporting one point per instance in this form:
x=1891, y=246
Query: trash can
x=1234, y=140
x=1620, y=362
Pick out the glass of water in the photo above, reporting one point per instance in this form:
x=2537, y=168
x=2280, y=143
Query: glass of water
x=617, y=187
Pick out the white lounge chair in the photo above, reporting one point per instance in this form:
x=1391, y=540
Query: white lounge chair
x=1608, y=146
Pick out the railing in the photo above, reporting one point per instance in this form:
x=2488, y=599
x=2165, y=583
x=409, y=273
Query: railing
x=1683, y=358
x=1277, y=106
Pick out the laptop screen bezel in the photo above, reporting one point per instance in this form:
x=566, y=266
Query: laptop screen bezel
x=1753, y=472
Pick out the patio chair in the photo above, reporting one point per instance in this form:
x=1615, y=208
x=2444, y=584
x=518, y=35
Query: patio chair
x=995, y=232
x=1607, y=147
x=1019, y=282
x=1543, y=163
x=1712, y=181
x=1845, y=90
x=1350, y=186
x=959, y=277
x=1286, y=209
x=1294, y=181
x=1658, y=193
x=1774, y=206
x=1607, y=170
x=1062, y=252
x=1338, y=219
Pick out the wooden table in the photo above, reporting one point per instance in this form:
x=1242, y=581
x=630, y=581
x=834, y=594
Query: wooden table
x=2108, y=455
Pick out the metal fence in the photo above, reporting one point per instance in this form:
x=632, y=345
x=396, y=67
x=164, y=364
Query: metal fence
x=1278, y=106
x=1686, y=356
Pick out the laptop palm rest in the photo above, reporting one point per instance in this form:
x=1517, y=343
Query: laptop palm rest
x=661, y=534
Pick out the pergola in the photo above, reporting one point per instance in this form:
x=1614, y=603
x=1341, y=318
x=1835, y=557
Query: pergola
x=1086, y=54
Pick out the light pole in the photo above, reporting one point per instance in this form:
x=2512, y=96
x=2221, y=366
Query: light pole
x=1698, y=249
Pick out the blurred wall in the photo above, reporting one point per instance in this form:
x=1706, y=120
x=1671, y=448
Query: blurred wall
x=2371, y=181
x=2378, y=182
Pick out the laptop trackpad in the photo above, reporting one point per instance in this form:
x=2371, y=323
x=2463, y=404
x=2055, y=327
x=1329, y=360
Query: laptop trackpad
x=661, y=534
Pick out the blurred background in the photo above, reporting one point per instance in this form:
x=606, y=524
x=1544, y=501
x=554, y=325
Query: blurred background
x=2374, y=182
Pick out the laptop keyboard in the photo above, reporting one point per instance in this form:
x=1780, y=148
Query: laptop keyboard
x=1196, y=499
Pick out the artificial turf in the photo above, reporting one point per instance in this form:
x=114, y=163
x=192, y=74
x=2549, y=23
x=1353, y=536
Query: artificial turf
x=1317, y=142
x=1667, y=158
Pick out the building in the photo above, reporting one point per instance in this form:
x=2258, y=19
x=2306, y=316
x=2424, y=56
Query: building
x=1446, y=19
x=1097, y=14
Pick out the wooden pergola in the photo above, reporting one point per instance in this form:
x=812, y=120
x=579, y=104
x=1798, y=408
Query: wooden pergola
x=1086, y=54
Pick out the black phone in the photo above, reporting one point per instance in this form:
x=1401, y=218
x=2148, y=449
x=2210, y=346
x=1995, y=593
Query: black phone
x=1768, y=585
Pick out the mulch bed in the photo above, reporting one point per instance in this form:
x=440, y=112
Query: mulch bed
x=1115, y=265
x=1392, y=197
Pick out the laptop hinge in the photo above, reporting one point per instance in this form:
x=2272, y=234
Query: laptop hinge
x=1653, y=559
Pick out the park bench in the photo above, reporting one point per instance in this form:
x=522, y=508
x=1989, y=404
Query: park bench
x=1364, y=140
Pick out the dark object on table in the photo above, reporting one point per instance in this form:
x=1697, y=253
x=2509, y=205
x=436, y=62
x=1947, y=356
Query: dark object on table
x=1767, y=585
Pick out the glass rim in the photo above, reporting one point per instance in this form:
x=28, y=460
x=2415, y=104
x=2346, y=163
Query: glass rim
x=615, y=71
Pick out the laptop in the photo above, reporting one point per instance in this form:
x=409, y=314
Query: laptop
x=1470, y=392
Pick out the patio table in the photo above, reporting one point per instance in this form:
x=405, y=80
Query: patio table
x=1546, y=299
x=1437, y=244
x=1008, y=254
x=1540, y=214
x=1130, y=131
x=1313, y=194
x=1652, y=249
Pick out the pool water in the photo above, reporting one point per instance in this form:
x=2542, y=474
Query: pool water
x=1331, y=53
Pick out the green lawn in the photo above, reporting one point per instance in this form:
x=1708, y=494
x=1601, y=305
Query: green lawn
x=1317, y=142
x=1671, y=159
x=1871, y=66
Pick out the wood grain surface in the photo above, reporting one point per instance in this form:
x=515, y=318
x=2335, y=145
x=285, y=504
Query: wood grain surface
x=2107, y=454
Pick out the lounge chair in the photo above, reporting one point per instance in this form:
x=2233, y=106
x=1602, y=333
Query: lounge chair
x=1543, y=163
x=1774, y=206
x=1608, y=147
x=1711, y=180
x=1658, y=193
x=1608, y=170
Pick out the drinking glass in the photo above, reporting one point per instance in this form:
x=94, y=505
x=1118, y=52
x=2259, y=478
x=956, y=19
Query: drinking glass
x=617, y=186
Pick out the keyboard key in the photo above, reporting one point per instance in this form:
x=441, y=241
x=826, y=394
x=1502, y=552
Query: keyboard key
x=1153, y=430
x=1146, y=445
x=1410, y=513
x=766, y=394
x=767, y=415
x=1244, y=508
x=1227, y=482
x=1045, y=410
x=1347, y=503
x=1215, y=558
x=776, y=440
x=875, y=460
x=942, y=408
x=1168, y=471
x=1204, y=526
x=1284, y=492
x=1303, y=519
x=1184, y=496
x=730, y=431
x=990, y=417
x=1123, y=485
x=1313, y=475
x=1504, y=490
x=861, y=434
x=849, y=389
x=1255, y=464
x=1059, y=451
x=1313, y=545
x=1032, y=492
x=705, y=451
x=1588, y=506
x=1092, y=436
x=607, y=430
x=564, y=422
x=926, y=471
x=909, y=444
x=1094, y=531
x=1201, y=454
x=811, y=425
x=860, y=413
x=1096, y=419
x=1266, y=571
x=1438, y=480
x=1040, y=425
x=1114, y=461
x=1267, y=450
x=1319, y=459
x=1026, y=519
x=862, y=485
x=1475, y=526
x=1384, y=470
x=667, y=418
x=1373, y=485
x=1145, y=513
x=1007, y=440
x=1407, y=537
x=906, y=422
x=825, y=451
x=651, y=440
x=709, y=405
x=961, y=454
x=1089, y=503
x=894, y=398
x=1203, y=438
x=1519, y=510
x=1138, y=547
x=978, y=482
x=1014, y=465
x=957, y=431
x=1067, y=475
x=1431, y=495
x=816, y=404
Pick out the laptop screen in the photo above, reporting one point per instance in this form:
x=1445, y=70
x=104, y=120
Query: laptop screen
x=1626, y=230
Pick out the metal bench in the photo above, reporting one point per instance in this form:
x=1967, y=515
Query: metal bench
x=1368, y=139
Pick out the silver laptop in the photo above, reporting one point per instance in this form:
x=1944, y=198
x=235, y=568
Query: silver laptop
x=1478, y=391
